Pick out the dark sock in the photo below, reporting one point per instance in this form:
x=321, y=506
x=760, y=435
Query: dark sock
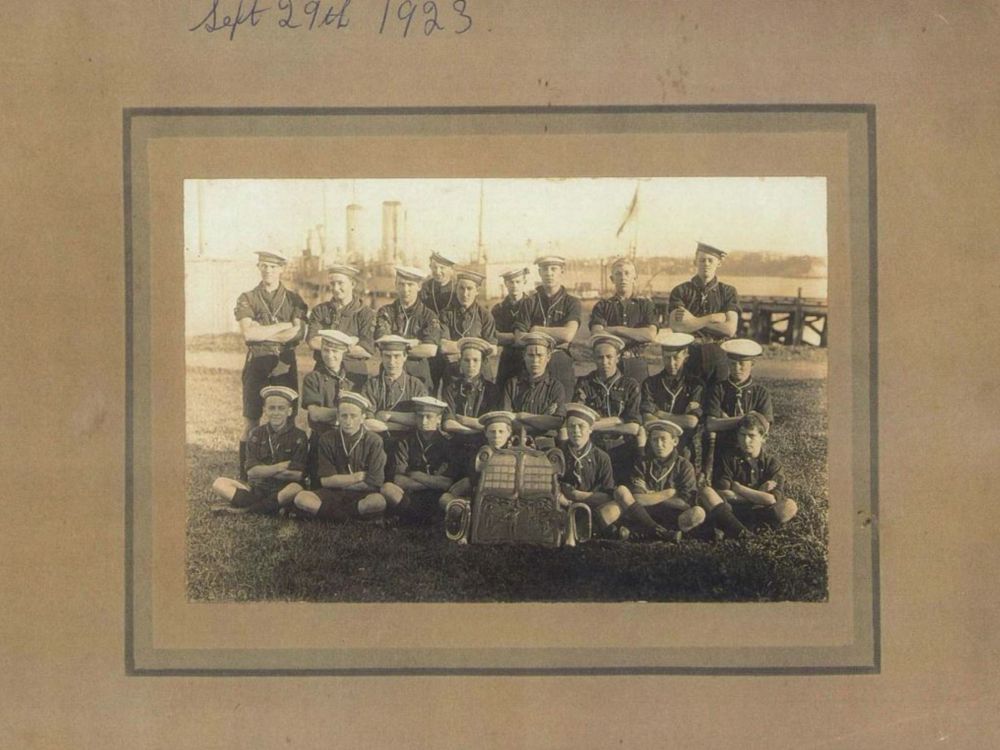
x=242, y=499
x=243, y=460
x=724, y=519
x=332, y=510
x=638, y=513
x=266, y=507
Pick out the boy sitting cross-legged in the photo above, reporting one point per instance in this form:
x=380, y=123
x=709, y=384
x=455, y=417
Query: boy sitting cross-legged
x=497, y=426
x=425, y=466
x=276, y=455
x=749, y=480
x=351, y=467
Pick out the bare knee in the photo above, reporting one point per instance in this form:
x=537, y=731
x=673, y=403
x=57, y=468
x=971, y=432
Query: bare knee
x=624, y=496
x=709, y=498
x=308, y=502
x=371, y=504
x=225, y=487
x=609, y=513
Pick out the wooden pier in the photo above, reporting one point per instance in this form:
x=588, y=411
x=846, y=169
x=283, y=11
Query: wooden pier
x=774, y=320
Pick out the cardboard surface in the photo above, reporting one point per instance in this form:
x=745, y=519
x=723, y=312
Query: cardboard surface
x=930, y=71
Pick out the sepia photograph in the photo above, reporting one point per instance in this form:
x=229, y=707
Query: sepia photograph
x=506, y=390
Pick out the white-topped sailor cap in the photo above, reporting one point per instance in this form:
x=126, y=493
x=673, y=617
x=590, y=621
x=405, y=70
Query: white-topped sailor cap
x=538, y=337
x=663, y=425
x=358, y=399
x=283, y=391
x=344, y=270
x=740, y=349
x=409, y=273
x=703, y=248
x=508, y=275
x=392, y=342
x=264, y=256
x=442, y=260
x=468, y=274
x=472, y=342
x=428, y=404
x=758, y=420
x=497, y=416
x=674, y=341
x=550, y=260
x=607, y=338
x=582, y=411
x=337, y=339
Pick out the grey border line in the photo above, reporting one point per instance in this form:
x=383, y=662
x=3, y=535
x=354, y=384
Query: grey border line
x=868, y=110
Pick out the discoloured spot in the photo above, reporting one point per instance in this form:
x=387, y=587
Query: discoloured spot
x=90, y=415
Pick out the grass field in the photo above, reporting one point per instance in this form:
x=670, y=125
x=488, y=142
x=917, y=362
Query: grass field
x=253, y=558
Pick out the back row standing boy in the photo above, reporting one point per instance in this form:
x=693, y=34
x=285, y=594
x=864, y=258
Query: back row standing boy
x=272, y=321
x=410, y=318
x=346, y=312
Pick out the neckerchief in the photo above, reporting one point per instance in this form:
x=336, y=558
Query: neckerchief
x=740, y=388
x=424, y=447
x=577, y=470
x=406, y=315
x=674, y=394
x=467, y=388
x=349, y=451
x=670, y=462
x=278, y=297
x=607, y=393
x=276, y=433
x=704, y=289
x=547, y=303
x=385, y=385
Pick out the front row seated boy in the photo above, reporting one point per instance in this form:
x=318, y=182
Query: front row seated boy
x=749, y=482
x=498, y=427
x=277, y=452
x=588, y=479
x=425, y=466
x=663, y=490
x=350, y=465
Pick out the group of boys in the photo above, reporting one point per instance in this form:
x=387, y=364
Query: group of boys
x=404, y=441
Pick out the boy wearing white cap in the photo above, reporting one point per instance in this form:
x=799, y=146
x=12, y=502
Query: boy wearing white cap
x=438, y=291
x=628, y=316
x=468, y=395
x=322, y=387
x=615, y=398
x=587, y=477
x=749, y=478
x=463, y=318
x=710, y=311
x=351, y=467
x=735, y=397
x=409, y=318
x=662, y=493
x=275, y=459
x=425, y=465
x=505, y=313
x=272, y=321
x=555, y=312
x=538, y=399
x=347, y=313
x=497, y=429
x=672, y=394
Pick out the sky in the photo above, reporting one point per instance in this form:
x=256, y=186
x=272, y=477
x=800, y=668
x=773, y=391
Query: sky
x=521, y=217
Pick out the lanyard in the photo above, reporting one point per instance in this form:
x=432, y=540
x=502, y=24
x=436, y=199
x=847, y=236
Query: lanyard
x=659, y=480
x=279, y=299
x=740, y=389
x=347, y=453
x=384, y=397
x=607, y=395
x=578, y=462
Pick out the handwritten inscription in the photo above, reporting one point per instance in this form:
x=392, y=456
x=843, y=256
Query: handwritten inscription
x=398, y=18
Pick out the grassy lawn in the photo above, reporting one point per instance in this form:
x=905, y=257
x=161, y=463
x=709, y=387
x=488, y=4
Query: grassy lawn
x=253, y=558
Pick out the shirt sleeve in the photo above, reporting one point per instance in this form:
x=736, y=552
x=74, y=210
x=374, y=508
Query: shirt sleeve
x=772, y=472
x=696, y=395
x=630, y=412
x=580, y=392
x=730, y=299
x=637, y=478
x=727, y=473
x=605, y=479
x=368, y=391
x=557, y=397
x=522, y=321
x=685, y=481
x=402, y=456
x=573, y=311
x=311, y=392
x=714, y=406
x=764, y=405
x=489, y=332
x=254, y=454
x=647, y=314
x=366, y=329
x=599, y=316
x=243, y=307
x=300, y=452
x=507, y=397
x=418, y=388
x=676, y=298
x=374, y=463
x=326, y=466
x=647, y=405
x=316, y=323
